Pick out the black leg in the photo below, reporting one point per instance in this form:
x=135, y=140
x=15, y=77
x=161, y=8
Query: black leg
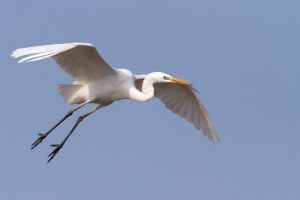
x=57, y=147
x=42, y=136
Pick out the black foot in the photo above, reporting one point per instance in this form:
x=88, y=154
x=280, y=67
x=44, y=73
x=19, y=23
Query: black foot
x=39, y=140
x=56, y=149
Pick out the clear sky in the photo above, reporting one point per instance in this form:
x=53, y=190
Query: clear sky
x=243, y=57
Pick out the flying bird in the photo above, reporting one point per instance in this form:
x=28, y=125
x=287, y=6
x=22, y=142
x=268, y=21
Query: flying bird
x=98, y=83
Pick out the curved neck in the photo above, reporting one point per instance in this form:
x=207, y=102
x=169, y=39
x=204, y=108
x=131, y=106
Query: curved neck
x=147, y=90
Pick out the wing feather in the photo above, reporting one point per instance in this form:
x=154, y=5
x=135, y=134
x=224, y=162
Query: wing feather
x=80, y=60
x=181, y=99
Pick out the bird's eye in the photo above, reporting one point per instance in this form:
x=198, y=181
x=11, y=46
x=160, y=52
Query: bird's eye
x=166, y=78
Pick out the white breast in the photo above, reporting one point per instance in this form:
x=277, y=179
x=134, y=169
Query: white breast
x=111, y=88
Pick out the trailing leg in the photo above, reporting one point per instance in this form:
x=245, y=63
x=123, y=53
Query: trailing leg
x=42, y=136
x=57, y=147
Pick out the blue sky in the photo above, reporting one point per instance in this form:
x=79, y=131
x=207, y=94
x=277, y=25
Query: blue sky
x=243, y=57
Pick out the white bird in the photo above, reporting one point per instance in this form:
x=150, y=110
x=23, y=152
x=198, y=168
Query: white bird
x=97, y=82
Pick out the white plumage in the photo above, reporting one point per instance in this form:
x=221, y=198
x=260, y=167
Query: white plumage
x=97, y=82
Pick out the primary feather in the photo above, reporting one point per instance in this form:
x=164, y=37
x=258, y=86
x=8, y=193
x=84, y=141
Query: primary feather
x=80, y=60
x=182, y=100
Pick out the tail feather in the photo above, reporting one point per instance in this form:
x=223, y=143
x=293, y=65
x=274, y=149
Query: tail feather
x=68, y=92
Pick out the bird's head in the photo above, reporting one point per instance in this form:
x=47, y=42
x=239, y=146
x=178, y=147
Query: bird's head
x=160, y=77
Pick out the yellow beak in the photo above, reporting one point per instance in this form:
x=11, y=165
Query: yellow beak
x=179, y=81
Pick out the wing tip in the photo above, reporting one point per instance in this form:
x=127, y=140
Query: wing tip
x=210, y=133
x=215, y=138
x=36, y=49
x=14, y=54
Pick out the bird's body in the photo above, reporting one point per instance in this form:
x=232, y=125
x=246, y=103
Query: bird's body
x=100, y=91
x=97, y=82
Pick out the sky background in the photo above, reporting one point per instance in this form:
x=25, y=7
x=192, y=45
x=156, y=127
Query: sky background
x=242, y=56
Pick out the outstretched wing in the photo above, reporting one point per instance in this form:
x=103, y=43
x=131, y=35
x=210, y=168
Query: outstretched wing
x=182, y=99
x=80, y=60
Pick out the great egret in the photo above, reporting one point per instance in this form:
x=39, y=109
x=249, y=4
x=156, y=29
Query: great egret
x=96, y=82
